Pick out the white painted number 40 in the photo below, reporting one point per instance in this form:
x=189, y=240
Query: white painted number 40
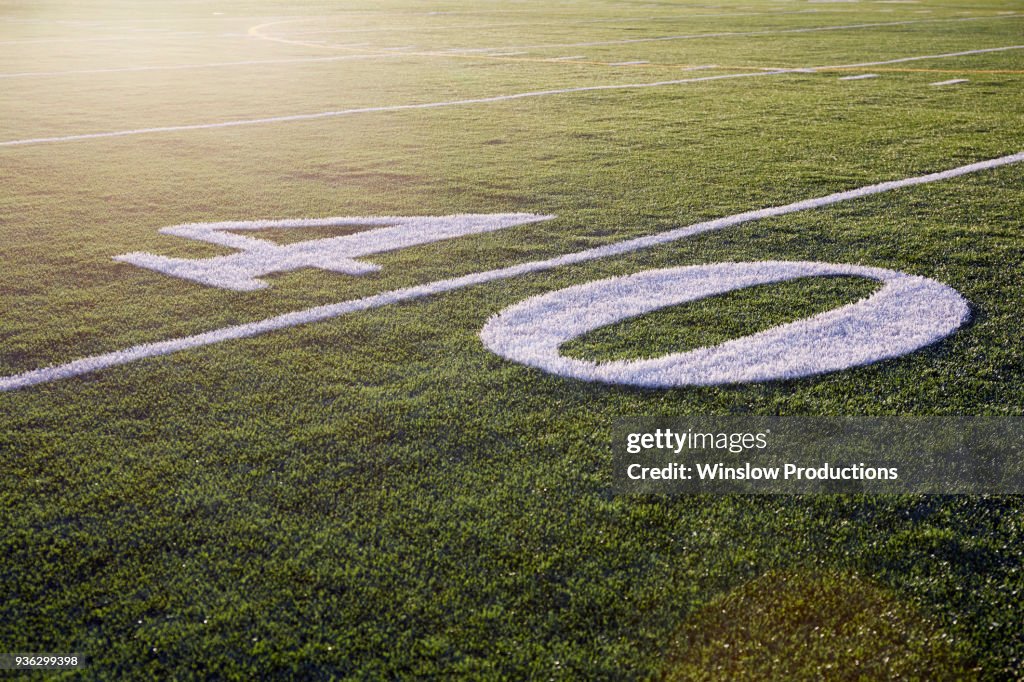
x=906, y=313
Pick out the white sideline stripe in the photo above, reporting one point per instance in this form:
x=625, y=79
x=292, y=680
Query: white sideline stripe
x=565, y=59
x=210, y=65
x=951, y=82
x=739, y=34
x=639, y=61
x=367, y=110
x=860, y=77
x=326, y=312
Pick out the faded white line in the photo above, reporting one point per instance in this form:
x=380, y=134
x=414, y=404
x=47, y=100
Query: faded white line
x=635, y=63
x=954, y=81
x=965, y=53
x=101, y=39
x=861, y=77
x=183, y=67
x=566, y=59
x=326, y=312
x=367, y=110
x=482, y=100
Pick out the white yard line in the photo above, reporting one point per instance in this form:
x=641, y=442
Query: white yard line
x=326, y=312
x=466, y=102
x=965, y=53
x=950, y=82
x=183, y=67
x=861, y=77
x=637, y=62
x=381, y=109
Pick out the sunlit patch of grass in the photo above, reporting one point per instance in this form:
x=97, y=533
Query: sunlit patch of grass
x=812, y=626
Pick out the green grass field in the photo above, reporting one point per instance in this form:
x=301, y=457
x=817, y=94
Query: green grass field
x=377, y=495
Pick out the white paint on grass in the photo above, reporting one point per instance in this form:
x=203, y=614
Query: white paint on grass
x=634, y=63
x=466, y=102
x=183, y=67
x=908, y=313
x=566, y=59
x=954, y=81
x=370, y=110
x=861, y=77
x=965, y=53
x=326, y=312
x=257, y=258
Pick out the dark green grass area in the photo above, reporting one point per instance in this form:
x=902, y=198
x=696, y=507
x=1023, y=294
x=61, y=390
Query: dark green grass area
x=711, y=321
x=378, y=496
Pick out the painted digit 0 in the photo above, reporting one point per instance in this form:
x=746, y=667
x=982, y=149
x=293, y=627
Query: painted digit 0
x=906, y=314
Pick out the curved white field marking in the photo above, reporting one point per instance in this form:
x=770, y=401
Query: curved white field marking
x=536, y=22
x=466, y=102
x=295, y=37
x=326, y=312
x=955, y=81
x=257, y=258
x=861, y=77
x=907, y=314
